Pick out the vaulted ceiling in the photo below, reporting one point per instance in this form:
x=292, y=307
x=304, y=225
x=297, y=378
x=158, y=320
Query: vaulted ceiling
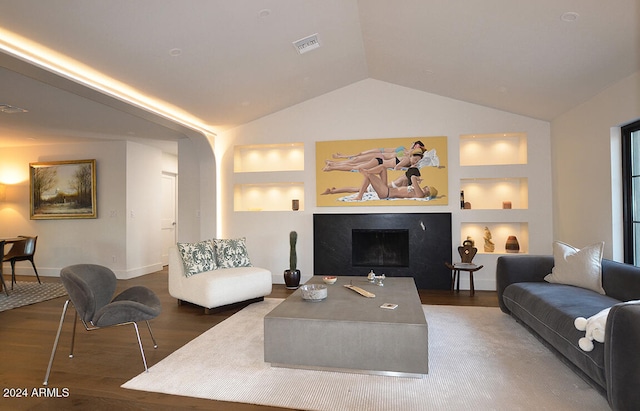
x=225, y=63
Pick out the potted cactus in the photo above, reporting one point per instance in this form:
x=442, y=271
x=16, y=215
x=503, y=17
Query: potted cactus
x=292, y=275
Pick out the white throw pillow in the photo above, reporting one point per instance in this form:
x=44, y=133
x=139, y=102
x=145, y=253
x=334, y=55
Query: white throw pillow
x=197, y=257
x=231, y=253
x=578, y=267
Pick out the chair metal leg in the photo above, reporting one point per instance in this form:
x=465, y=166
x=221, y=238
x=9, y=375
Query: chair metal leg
x=4, y=285
x=144, y=360
x=73, y=333
x=13, y=272
x=35, y=271
x=155, y=344
x=55, y=343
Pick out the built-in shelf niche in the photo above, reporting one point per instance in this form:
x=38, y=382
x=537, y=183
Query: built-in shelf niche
x=268, y=157
x=268, y=196
x=492, y=193
x=500, y=231
x=493, y=149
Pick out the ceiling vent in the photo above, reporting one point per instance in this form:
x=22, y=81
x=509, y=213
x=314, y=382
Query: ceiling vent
x=9, y=109
x=307, y=44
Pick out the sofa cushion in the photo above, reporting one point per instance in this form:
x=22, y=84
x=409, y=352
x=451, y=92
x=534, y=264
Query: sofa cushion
x=231, y=253
x=550, y=310
x=579, y=267
x=224, y=286
x=197, y=257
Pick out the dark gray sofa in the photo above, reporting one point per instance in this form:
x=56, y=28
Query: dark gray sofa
x=549, y=310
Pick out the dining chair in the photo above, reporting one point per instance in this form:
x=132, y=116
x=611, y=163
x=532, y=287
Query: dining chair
x=91, y=288
x=22, y=250
x=4, y=285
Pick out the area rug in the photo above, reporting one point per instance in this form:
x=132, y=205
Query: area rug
x=28, y=292
x=479, y=358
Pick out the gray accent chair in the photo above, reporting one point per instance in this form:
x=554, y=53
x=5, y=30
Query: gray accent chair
x=91, y=288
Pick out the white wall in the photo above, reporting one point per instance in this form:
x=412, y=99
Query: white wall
x=143, y=209
x=128, y=177
x=197, y=189
x=372, y=109
x=586, y=204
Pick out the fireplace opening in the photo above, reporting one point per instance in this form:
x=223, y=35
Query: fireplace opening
x=380, y=248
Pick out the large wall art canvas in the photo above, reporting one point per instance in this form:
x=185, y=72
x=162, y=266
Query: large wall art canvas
x=382, y=172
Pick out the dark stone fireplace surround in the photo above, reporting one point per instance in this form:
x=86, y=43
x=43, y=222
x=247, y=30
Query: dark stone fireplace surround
x=429, y=236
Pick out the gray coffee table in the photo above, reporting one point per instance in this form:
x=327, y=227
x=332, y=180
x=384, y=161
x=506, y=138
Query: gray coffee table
x=349, y=332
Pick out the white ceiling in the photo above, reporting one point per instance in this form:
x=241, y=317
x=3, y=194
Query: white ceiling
x=237, y=61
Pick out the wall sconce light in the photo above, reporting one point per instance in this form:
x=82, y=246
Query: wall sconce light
x=3, y=192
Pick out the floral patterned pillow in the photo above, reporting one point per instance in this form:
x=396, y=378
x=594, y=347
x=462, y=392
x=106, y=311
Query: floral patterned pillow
x=197, y=257
x=231, y=253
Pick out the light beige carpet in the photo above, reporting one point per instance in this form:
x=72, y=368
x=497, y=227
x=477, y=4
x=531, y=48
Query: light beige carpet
x=479, y=359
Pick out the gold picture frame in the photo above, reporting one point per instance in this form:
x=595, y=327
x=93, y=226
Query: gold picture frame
x=62, y=189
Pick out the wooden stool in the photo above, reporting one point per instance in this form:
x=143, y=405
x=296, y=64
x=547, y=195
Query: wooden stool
x=467, y=251
x=455, y=277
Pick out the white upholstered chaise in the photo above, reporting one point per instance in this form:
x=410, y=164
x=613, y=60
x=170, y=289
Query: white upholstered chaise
x=219, y=287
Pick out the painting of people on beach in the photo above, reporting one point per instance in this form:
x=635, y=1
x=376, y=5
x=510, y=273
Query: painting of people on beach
x=382, y=172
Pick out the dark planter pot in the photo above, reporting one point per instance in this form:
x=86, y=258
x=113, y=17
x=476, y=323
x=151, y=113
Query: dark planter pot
x=292, y=279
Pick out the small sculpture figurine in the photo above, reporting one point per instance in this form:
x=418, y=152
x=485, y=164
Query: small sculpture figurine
x=372, y=276
x=489, y=247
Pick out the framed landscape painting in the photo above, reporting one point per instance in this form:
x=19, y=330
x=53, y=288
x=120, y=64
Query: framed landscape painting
x=63, y=189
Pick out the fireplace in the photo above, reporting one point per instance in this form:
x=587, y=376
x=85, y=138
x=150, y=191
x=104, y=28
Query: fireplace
x=379, y=248
x=395, y=244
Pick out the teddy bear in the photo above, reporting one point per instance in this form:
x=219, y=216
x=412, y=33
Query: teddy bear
x=594, y=327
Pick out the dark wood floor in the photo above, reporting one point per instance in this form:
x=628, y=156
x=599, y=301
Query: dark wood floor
x=107, y=358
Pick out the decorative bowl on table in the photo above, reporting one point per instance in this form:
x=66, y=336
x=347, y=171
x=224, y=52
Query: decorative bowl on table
x=330, y=279
x=313, y=292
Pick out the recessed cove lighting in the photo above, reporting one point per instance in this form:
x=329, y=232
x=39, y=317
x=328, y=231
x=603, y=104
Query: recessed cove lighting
x=307, y=44
x=9, y=109
x=569, y=16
